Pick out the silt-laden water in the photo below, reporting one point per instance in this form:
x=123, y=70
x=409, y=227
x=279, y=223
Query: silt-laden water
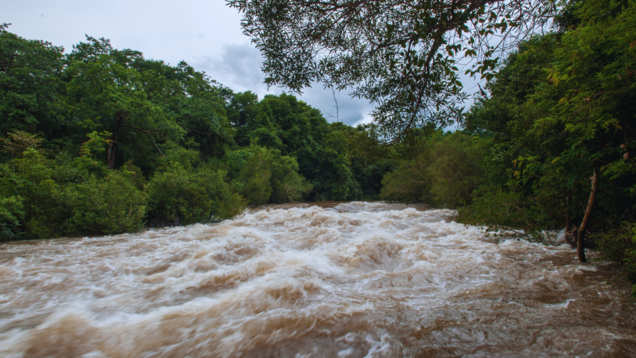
x=354, y=280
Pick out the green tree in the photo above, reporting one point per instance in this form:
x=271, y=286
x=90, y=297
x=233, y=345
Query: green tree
x=561, y=115
x=11, y=212
x=193, y=100
x=192, y=195
x=400, y=55
x=110, y=205
x=106, y=94
x=30, y=84
x=262, y=175
x=445, y=174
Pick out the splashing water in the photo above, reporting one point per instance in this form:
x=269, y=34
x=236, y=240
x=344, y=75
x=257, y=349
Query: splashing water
x=355, y=280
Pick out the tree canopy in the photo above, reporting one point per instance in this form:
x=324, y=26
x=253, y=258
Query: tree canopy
x=401, y=55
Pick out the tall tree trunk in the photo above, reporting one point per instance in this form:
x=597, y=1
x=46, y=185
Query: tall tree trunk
x=580, y=239
x=112, y=150
x=112, y=146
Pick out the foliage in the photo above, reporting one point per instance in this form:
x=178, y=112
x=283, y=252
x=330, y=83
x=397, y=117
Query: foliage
x=32, y=180
x=560, y=109
x=108, y=94
x=254, y=179
x=404, y=60
x=192, y=195
x=19, y=141
x=444, y=174
x=502, y=210
x=11, y=212
x=267, y=176
x=619, y=245
x=110, y=205
x=30, y=84
x=455, y=169
x=168, y=139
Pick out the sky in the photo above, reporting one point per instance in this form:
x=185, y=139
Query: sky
x=204, y=33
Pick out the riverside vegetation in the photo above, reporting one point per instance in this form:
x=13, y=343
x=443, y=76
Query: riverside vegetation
x=102, y=141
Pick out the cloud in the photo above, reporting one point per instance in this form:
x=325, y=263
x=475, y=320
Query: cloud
x=236, y=66
x=343, y=108
x=239, y=68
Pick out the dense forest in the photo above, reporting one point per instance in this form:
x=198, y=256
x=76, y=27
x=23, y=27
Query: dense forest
x=104, y=141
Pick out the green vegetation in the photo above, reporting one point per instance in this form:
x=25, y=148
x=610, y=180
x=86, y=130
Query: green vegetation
x=445, y=173
x=102, y=141
x=560, y=119
x=548, y=145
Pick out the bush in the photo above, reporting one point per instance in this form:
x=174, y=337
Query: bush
x=409, y=183
x=30, y=178
x=110, y=205
x=11, y=212
x=619, y=245
x=266, y=176
x=503, y=210
x=287, y=184
x=445, y=174
x=253, y=181
x=455, y=169
x=191, y=196
x=291, y=188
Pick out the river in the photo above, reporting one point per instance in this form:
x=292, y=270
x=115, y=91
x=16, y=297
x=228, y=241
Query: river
x=352, y=280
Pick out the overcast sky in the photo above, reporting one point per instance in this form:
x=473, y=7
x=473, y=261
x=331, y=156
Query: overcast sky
x=204, y=33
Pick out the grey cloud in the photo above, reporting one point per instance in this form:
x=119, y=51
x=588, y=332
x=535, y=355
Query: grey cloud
x=345, y=109
x=239, y=67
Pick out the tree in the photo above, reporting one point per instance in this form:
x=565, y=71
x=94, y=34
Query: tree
x=561, y=115
x=30, y=84
x=399, y=54
x=106, y=94
x=193, y=100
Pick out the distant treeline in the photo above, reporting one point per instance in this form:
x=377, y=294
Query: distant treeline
x=102, y=141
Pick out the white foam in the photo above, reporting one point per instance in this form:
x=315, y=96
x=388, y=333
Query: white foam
x=294, y=278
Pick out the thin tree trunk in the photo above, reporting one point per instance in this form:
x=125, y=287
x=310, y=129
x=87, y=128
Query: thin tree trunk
x=112, y=149
x=112, y=146
x=580, y=239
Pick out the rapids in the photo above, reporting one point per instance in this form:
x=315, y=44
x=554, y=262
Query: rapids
x=354, y=280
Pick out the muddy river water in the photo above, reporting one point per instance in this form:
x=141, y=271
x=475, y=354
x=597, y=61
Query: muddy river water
x=353, y=280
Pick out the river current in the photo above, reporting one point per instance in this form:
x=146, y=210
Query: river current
x=354, y=280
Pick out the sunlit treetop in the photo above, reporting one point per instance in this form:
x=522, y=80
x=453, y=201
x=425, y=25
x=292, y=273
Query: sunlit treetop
x=403, y=56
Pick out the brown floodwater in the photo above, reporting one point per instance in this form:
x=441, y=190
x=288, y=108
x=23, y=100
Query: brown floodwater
x=337, y=280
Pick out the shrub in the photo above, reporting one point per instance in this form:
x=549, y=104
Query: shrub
x=110, y=205
x=503, y=210
x=619, y=245
x=253, y=181
x=266, y=176
x=11, y=212
x=30, y=178
x=409, y=183
x=445, y=174
x=191, y=196
x=291, y=188
x=455, y=169
x=287, y=184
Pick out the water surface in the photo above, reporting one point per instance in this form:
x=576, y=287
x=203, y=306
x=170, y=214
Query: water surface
x=346, y=280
